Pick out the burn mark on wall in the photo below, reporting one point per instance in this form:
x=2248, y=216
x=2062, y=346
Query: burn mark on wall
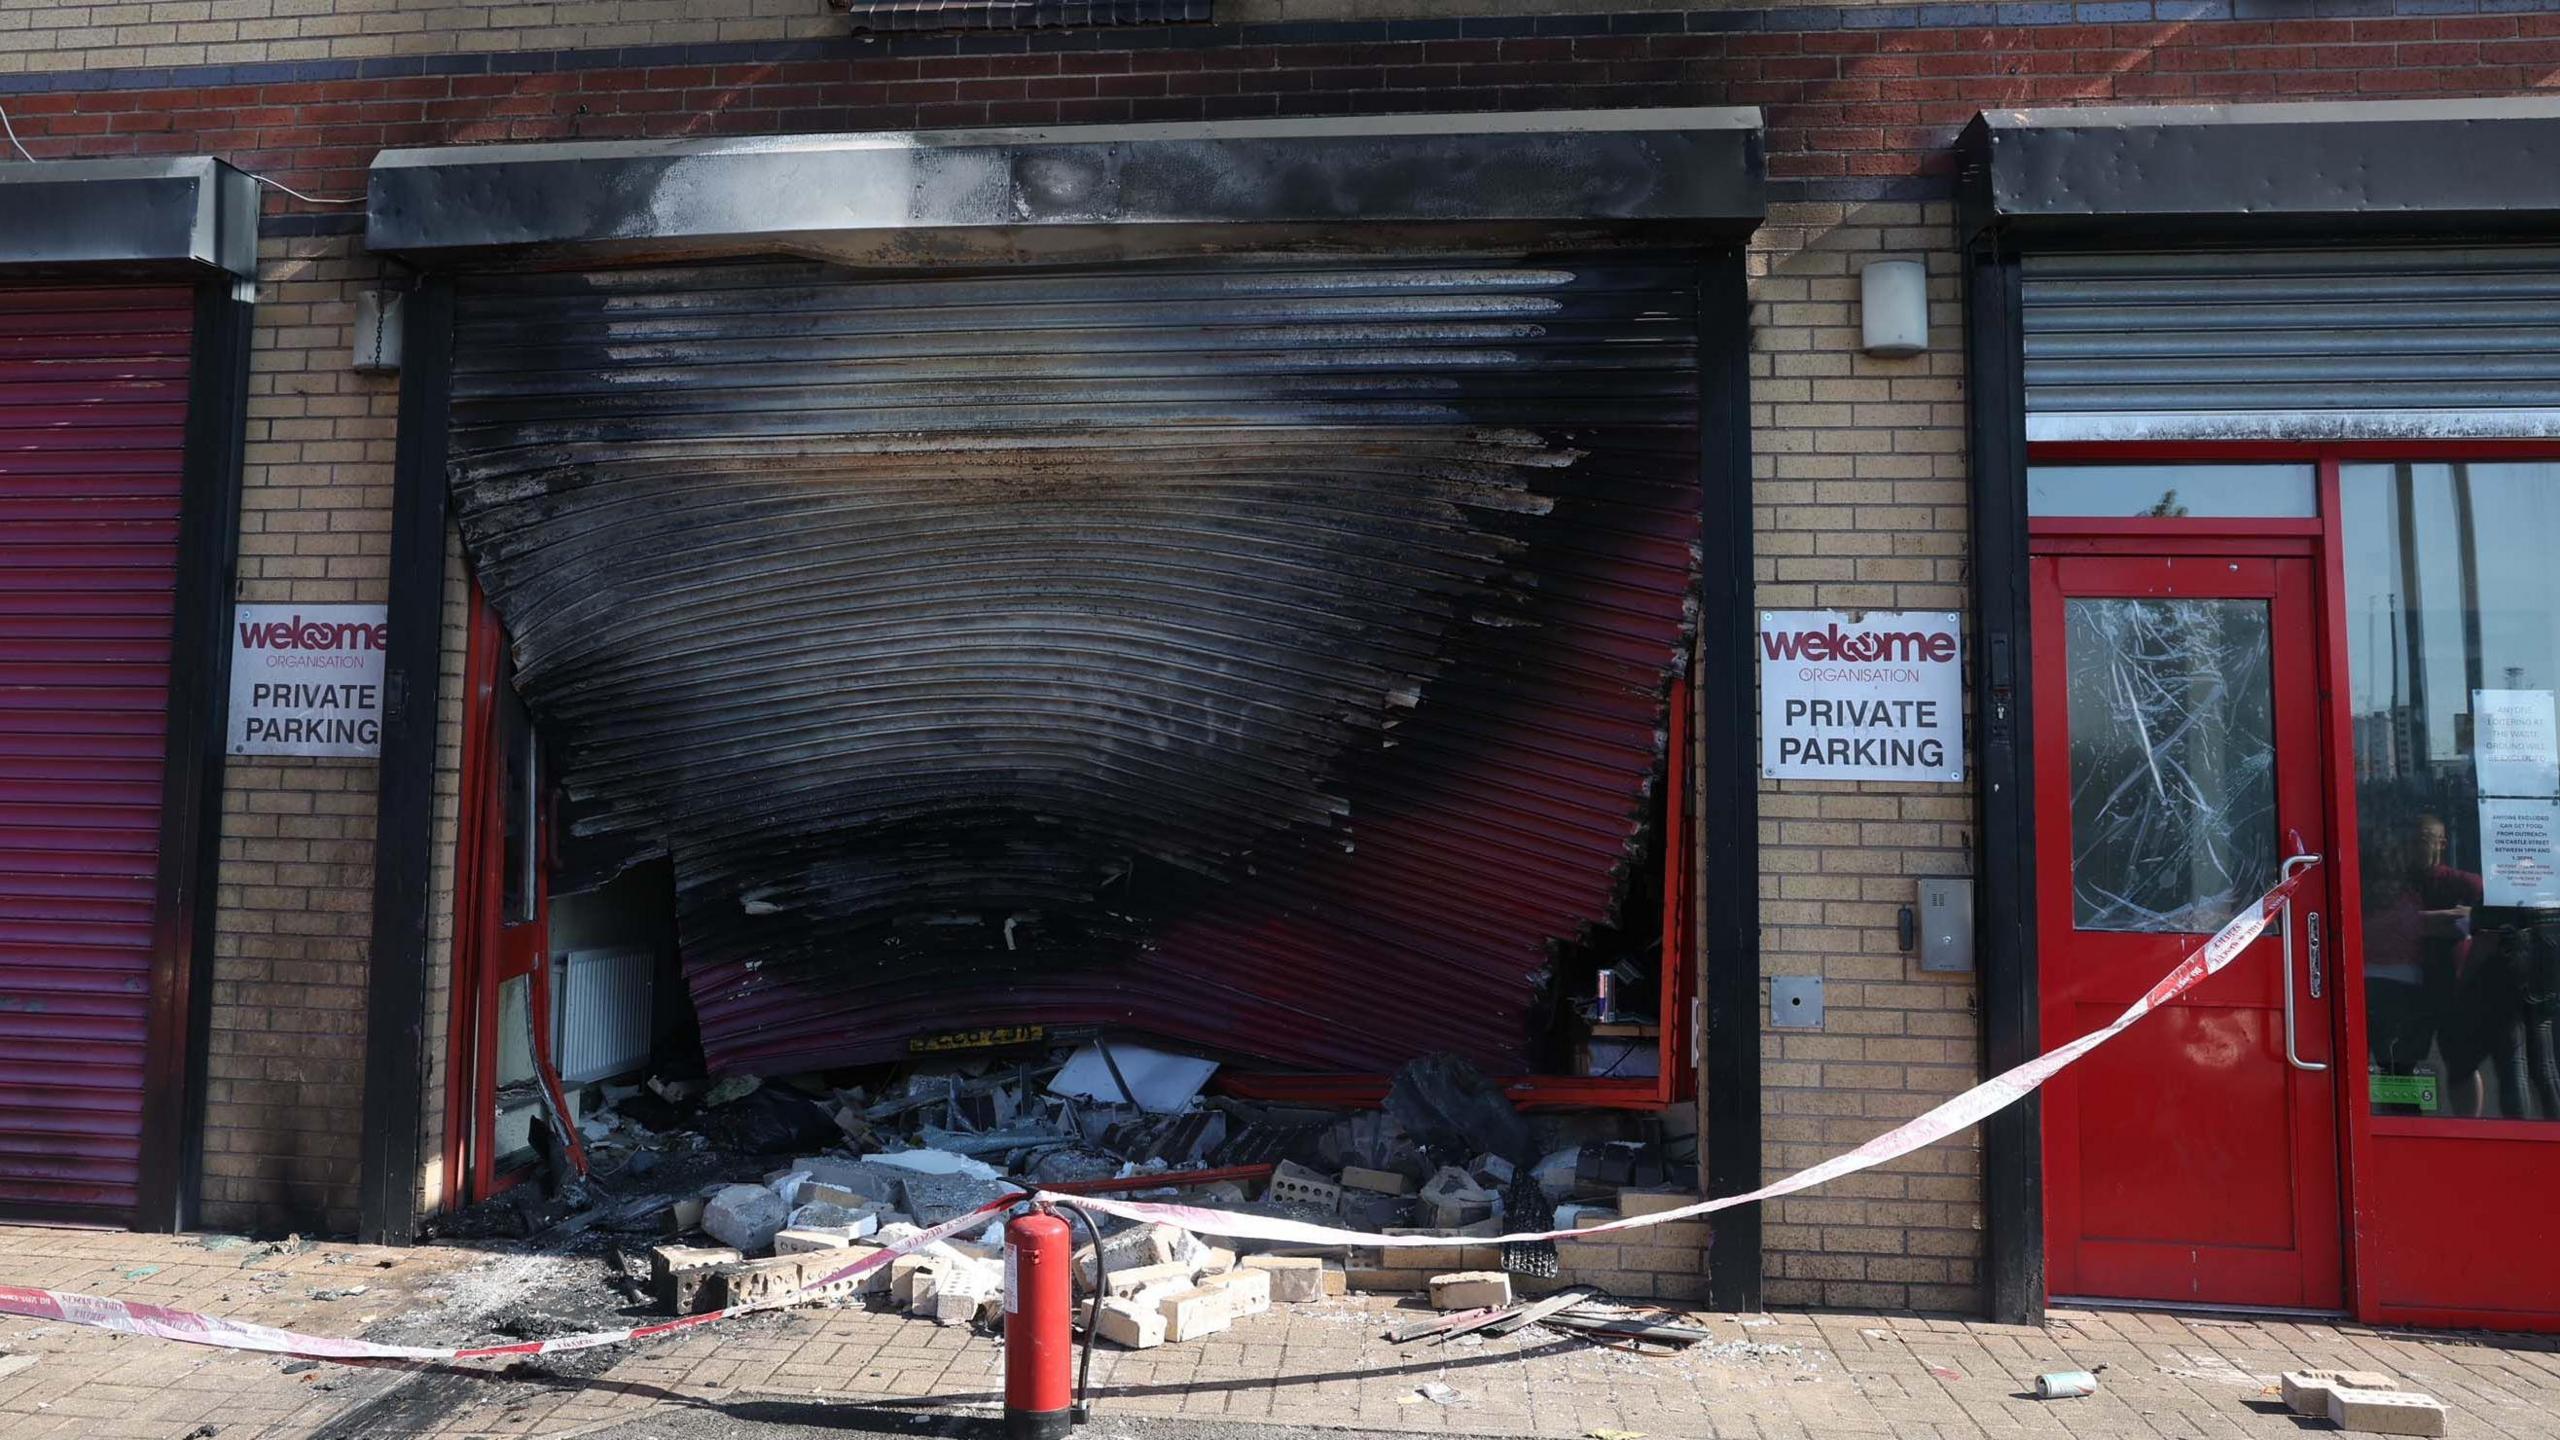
x=1262, y=656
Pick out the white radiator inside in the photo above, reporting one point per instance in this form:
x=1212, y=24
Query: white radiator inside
x=600, y=1012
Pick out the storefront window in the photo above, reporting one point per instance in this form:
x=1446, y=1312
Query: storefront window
x=2172, y=761
x=2453, y=619
x=2173, y=492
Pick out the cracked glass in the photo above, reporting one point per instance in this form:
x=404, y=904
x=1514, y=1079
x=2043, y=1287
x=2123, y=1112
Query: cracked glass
x=2173, y=794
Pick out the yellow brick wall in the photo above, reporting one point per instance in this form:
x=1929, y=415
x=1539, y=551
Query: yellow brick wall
x=1859, y=502
x=294, y=899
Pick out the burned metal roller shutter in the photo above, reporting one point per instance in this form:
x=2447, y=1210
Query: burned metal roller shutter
x=93, y=404
x=1269, y=657
x=2292, y=343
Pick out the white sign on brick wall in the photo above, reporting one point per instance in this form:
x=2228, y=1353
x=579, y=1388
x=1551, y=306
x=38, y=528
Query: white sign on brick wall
x=1861, y=695
x=307, y=679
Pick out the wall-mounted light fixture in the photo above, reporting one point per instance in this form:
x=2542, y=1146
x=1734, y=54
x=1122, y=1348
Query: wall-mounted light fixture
x=1893, y=307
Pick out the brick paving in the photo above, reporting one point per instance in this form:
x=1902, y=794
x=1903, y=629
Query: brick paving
x=1791, y=1376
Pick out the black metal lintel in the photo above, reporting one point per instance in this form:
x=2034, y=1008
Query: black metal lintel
x=137, y=214
x=2237, y=171
x=1539, y=180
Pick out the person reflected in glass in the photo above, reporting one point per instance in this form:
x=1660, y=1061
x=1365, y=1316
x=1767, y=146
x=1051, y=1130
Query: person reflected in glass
x=2417, y=928
x=2509, y=1008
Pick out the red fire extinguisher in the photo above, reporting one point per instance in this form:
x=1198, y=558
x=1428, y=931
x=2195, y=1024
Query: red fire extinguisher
x=1039, y=1340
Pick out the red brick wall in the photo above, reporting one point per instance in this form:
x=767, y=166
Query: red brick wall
x=1841, y=104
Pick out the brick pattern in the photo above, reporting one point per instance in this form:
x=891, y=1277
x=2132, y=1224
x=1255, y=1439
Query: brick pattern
x=1859, y=478
x=1858, y=491
x=216, y=32
x=338, y=39
x=295, y=893
x=1853, y=113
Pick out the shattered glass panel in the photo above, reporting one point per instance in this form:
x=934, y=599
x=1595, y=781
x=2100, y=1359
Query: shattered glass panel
x=2172, y=761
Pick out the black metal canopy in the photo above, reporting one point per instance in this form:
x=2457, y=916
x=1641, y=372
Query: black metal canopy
x=2237, y=170
x=1070, y=193
x=153, y=213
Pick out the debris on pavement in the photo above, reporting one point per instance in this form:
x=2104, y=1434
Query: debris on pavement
x=703, y=1193
x=2065, y=1384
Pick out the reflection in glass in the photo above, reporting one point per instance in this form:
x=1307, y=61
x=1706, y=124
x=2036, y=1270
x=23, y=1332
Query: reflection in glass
x=2453, y=615
x=2173, y=492
x=2172, y=761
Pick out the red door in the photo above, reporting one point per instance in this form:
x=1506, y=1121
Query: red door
x=93, y=402
x=2195, y=1158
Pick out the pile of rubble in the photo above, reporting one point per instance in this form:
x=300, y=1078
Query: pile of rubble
x=874, y=1165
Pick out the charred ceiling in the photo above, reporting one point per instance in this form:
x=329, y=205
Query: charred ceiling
x=1265, y=656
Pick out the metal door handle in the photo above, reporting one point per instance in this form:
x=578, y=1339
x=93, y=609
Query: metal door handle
x=2284, y=949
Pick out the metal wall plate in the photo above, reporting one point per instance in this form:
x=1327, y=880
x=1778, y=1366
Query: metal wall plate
x=1795, y=1002
x=1946, y=925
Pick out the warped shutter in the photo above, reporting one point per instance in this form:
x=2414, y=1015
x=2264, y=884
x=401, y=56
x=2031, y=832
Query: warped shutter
x=93, y=389
x=2307, y=344
x=1268, y=656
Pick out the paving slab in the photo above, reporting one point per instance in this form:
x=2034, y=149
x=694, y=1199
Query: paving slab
x=1291, y=1370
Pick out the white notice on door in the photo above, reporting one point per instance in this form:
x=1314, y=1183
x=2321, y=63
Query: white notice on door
x=2515, y=742
x=2520, y=852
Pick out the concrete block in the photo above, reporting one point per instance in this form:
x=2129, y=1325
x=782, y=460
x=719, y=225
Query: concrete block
x=861, y=1179
x=1299, y=1185
x=2385, y=1412
x=684, y=1216
x=1200, y=1310
x=748, y=1281
x=1377, y=1182
x=745, y=1217
x=1470, y=1290
x=1131, y=1281
x=904, y=1274
x=819, y=1192
x=932, y=1199
x=1249, y=1291
x=1373, y=1280
x=1434, y=1258
x=1337, y=1279
x=953, y=1307
x=853, y=1222
x=803, y=1242
x=2306, y=1392
x=1294, y=1279
x=874, y=1281
x=1130, y=1323
x=1452, y=1200
x=1213, y=1260
x=1653, y=1200
x=677, y=1272
x=1133, y=1248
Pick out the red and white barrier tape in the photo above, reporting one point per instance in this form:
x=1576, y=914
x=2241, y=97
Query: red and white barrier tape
x=1969, y=1108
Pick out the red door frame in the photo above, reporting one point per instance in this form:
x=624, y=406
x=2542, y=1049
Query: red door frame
x=2110, y=969
x=489, y=948
x=2373, y=1248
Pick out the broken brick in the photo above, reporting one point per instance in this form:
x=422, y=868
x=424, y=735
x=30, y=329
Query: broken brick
x=1470, y=1290
x=1200, y=1310
x=2385, y=1412
x=1295, y=1279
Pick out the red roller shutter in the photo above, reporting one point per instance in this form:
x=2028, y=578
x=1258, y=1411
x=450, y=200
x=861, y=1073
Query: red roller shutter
x=93, y=390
